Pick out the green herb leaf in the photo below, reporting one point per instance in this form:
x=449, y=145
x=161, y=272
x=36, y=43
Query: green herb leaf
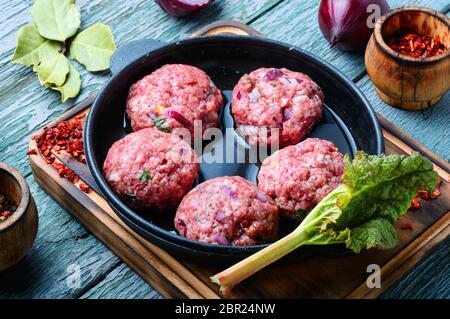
x=53, y=69
x=160, y=124
x=94, y=47
x=131, y=197
x=145, y=176
x=71, y=88
x=56, y=19
x=197, y=217
x=29, y=44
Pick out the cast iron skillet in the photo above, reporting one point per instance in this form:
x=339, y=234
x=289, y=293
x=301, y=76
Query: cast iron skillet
x=349, y=120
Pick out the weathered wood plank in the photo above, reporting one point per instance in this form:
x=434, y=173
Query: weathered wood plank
x=431, y=128
x=62, y=248
x=122, y=283
x=430, y=279
x=296, y=23
x=25, y=105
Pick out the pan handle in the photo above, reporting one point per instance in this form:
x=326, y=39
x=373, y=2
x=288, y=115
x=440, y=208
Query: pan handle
x=227, y=27
x=131, y=51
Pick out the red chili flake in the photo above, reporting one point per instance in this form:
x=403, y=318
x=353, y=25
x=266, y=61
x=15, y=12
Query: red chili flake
x=407, y=226
x=84, y=188
x=423, y=194
x=6, y=213
x=65, y=136
x=416, y=45
x=415, y=203
x=32, y=152
x=435, y=194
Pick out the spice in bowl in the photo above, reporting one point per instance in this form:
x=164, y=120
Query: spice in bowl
x=416, y=45
x=7, y=208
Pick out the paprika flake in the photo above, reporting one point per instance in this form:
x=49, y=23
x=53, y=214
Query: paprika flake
x=416, y=45
x=67, y=136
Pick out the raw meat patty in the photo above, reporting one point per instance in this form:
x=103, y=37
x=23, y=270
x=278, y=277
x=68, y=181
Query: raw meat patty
x=173, y=97
x=299, y=176
x=267, y=100
x=151, y=169
x=227, y=211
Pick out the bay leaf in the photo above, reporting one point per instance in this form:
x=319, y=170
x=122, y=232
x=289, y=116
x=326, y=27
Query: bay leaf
x=56, y=19
x=29, y=43
x=53, y=68
x=94, y=47
x=71, y=88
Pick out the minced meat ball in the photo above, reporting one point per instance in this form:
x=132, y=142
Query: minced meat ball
x=299, y=176
x=276, y=106
x=172, y=98
x=151, y=169
x=227, y=211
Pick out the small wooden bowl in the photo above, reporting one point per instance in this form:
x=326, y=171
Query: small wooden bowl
x=407, y=82
x=17, y=233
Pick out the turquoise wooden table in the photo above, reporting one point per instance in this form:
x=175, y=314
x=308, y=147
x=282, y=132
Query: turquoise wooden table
x=63, y=247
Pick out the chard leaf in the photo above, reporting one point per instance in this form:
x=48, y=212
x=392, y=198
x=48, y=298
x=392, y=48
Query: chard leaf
x=56, y=19
x=29, y=44
x=376, y=233
x=383, y=186
x=94, y=47
x=71, y=88
x=53, y=69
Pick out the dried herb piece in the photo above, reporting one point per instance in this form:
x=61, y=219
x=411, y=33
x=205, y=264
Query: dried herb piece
x=56, y=20
x=94, y=47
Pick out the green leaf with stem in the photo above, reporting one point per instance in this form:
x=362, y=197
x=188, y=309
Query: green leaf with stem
x=376, y=191
x=94, y=47
x=56, y=19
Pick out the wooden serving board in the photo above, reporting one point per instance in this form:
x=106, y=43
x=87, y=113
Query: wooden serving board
x=316, y=277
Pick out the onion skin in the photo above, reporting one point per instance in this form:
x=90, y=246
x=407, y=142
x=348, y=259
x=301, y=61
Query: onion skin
x=182, y=8
x=344, y=22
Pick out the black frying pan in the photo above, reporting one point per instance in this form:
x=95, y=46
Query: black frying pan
x=349, y=120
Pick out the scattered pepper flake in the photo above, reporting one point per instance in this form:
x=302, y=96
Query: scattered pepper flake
x=32, y=152
x=68, y=136
x=407, y=226
x=84, y=188
x=415, y=203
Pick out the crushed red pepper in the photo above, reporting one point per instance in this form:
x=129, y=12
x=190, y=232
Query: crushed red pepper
x=7, y=208
x=407, y=226
x=32, y=152
x=416, y=45
x=423, y=194
x=67, y=136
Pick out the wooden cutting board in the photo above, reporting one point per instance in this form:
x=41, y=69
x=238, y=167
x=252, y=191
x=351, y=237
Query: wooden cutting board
x=316, y=277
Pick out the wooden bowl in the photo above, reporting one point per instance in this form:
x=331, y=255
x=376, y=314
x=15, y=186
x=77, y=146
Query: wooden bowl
x=17, y=233
x=407, y=82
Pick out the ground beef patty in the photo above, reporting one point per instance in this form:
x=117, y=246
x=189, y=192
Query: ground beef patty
x=151, y=169
x=270, y=99
x=227, y=211
x=299, y=176
x=173, y=97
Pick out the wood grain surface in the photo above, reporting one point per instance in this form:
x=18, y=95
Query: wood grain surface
x=25, y=106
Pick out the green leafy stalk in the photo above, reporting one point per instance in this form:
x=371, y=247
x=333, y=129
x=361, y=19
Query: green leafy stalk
x=360, y=213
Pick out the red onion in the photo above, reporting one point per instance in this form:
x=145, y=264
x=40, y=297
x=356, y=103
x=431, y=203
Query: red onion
x=287, y=114
x=273, y=74
x=178, y=117
x=182, y=8
x=261, y=197
x=348, y=24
